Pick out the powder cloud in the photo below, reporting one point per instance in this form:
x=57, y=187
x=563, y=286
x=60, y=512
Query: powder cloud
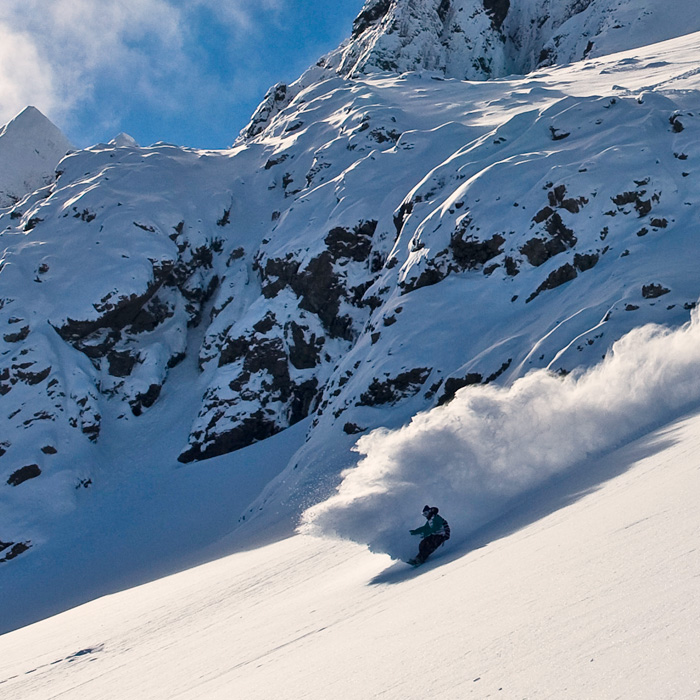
x=491, y=445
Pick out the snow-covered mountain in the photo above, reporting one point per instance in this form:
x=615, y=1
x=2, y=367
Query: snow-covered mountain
x=30, y=149
x=478, y=39
x=209, y=333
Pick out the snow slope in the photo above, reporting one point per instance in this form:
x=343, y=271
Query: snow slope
x=588, y=590
x=30, y=149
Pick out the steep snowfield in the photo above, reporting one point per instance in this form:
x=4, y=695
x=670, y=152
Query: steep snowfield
x=30, y=149
x=588, y=590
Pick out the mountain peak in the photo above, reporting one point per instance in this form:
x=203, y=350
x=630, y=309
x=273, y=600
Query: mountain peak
x=30, y=148
x=123, y=139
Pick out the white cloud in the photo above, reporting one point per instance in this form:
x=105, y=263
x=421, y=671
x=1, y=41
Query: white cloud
x=25, y=77
x=242, y=14
x=491, y=445
x=162, y=67
x=57, y=54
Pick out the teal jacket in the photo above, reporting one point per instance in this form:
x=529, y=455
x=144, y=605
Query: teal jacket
x=437, y=525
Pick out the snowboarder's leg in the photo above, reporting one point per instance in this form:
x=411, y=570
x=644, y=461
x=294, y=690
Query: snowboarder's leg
x=428, y=546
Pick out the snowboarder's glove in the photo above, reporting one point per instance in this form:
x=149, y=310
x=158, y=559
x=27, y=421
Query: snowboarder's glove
x=413, y=532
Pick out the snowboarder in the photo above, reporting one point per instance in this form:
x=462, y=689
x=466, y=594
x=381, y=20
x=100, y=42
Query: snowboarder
x=434, y=533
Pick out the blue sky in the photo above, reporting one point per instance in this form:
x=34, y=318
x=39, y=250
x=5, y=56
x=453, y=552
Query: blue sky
x=189, y=72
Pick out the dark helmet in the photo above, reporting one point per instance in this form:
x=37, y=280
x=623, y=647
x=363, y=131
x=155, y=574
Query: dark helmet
x=430, y=511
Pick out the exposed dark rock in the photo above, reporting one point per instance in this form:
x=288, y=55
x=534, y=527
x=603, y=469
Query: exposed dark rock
x=431, y=275
x=32, y=223
x=543, y=215
x=585, y=261
x=145, y=227
x=98, y=344
x=274, y=100
x=511, y=266
x=401, y=215
x=225, y=219
x=555, y=227
x=303, y=396
x=49, y=450
x=278, y=274
x=121, y=363
x=471, y=252
x=276, y=161
x=493, y=377
x=265, y=324
x=394, y=389
x=539, y=250
x=383, y=135
x=91, y=430
x=304, y=353
x=145, y=399
x=236, y=254
x=17, y=337
x=653, y=291
x=497, y=11
x=176, y=359
x=676, y=124
x=150, y=316
x=31, y=378
x=17, y=549
x=454, y=384
x=354, y=245
x=116, y=310
x=557, y=134
x=557, y=198
x=369, y=16
x=233, y=350
x=255, y=427
x=268, y=355
x=443, y=9
x=320, y=291
x=85, y=215
x=5, y=384
x=31, y=471
x=642, y=206
x=659, y=223
x=556, y=278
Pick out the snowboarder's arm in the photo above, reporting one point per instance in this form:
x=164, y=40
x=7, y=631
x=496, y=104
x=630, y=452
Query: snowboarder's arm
x=419, y=530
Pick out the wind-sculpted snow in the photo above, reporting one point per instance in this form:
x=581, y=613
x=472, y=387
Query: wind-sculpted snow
x=474, y=456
